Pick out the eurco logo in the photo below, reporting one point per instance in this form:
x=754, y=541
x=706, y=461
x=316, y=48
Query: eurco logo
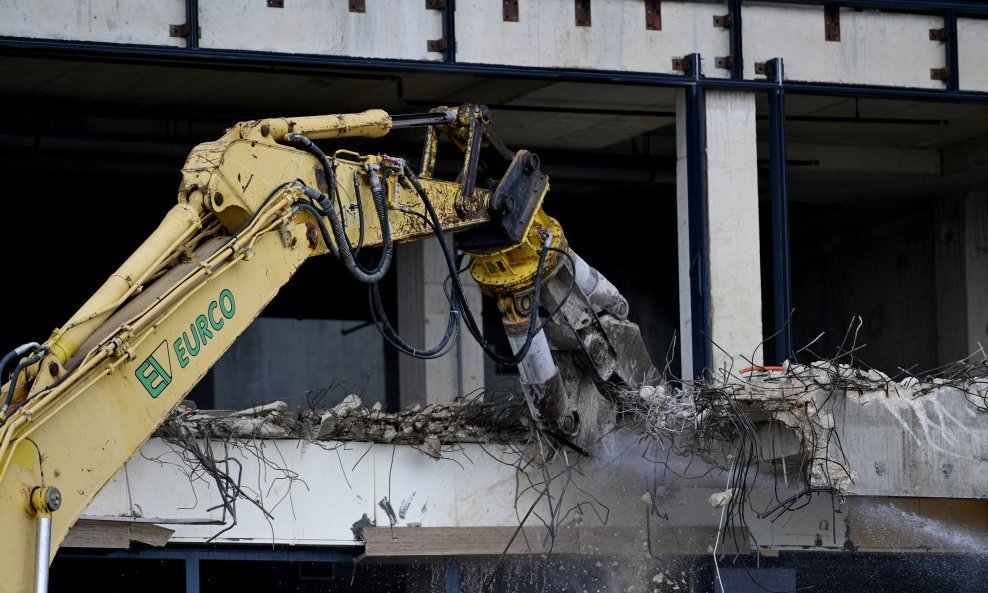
x=154, y=375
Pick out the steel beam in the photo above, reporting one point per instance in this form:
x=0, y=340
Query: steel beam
x=737, y=40
x=192, y=20
x=192, y=580
x=696, y=174
x=781, y=279
x=449, y=31
x=951, y=50
x=452, y=578
x=146, y=54
x=226, y=553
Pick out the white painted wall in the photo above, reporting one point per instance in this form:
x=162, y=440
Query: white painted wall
x=110, y=21
x=546, y=35
x=972, y=37
x=388, y=29
x=876, y=48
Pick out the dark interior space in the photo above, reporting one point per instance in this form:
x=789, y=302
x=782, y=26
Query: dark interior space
x=116, y=576
x=864, y=274
x=93, y=162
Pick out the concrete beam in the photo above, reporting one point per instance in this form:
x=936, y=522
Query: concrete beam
x=616, y=40
x=972, y=39
x=383, y=30
x=875, y=47
x=423, y=315
x=733, y=238
x=476, y=486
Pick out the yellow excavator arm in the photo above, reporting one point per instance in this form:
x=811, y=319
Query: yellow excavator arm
x=252, y=207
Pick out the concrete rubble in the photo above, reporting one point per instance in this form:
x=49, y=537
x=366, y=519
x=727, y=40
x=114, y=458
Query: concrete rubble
x=464, y=421
x=801, y=415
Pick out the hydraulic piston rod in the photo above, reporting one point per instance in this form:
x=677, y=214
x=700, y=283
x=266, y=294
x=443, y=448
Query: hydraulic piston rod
x=44, y=501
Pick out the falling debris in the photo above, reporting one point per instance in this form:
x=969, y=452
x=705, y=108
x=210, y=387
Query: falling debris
x=721, y=499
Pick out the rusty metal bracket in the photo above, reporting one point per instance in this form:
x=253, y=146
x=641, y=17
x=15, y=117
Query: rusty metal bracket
x=435, y=4
x=723, y=21
x=940, y=73
x=509, y=11
x=182, y=30
x=479, y=116
x=358, y=6
x=437, y=45
x=940, y=34
x=681, y=64
x=726, y=62
x=653, y=15
x=582, y=13
x=276, y=3
x=831, y=22
x=765, y=69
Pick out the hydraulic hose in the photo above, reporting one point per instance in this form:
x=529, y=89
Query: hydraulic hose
x=15, y=354
x=460, y=295
x=387, y=330
x=16, y=375
x=345, y=248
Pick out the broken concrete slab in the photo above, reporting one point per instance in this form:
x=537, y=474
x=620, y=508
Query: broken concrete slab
x=432, y=426
x=863, y=433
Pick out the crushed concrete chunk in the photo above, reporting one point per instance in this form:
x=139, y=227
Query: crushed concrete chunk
x=278, y=406
x=432, y=447
x=349, y=404
x=722, y=499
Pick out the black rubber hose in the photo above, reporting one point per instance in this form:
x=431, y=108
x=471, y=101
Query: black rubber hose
x=475, y=331
x=389, y=333
x=345, y=248
x=15, y=375
x=6, y=361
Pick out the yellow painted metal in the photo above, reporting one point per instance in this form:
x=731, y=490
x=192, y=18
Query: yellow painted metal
x=373, y=123
x=45, y=500
x=216, y=260
x=82, y=431
x=512, y=271
x=179, y=225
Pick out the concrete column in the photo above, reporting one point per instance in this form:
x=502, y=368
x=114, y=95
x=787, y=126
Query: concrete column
x=732, y=230
x=423, y=313
x=962, y=275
